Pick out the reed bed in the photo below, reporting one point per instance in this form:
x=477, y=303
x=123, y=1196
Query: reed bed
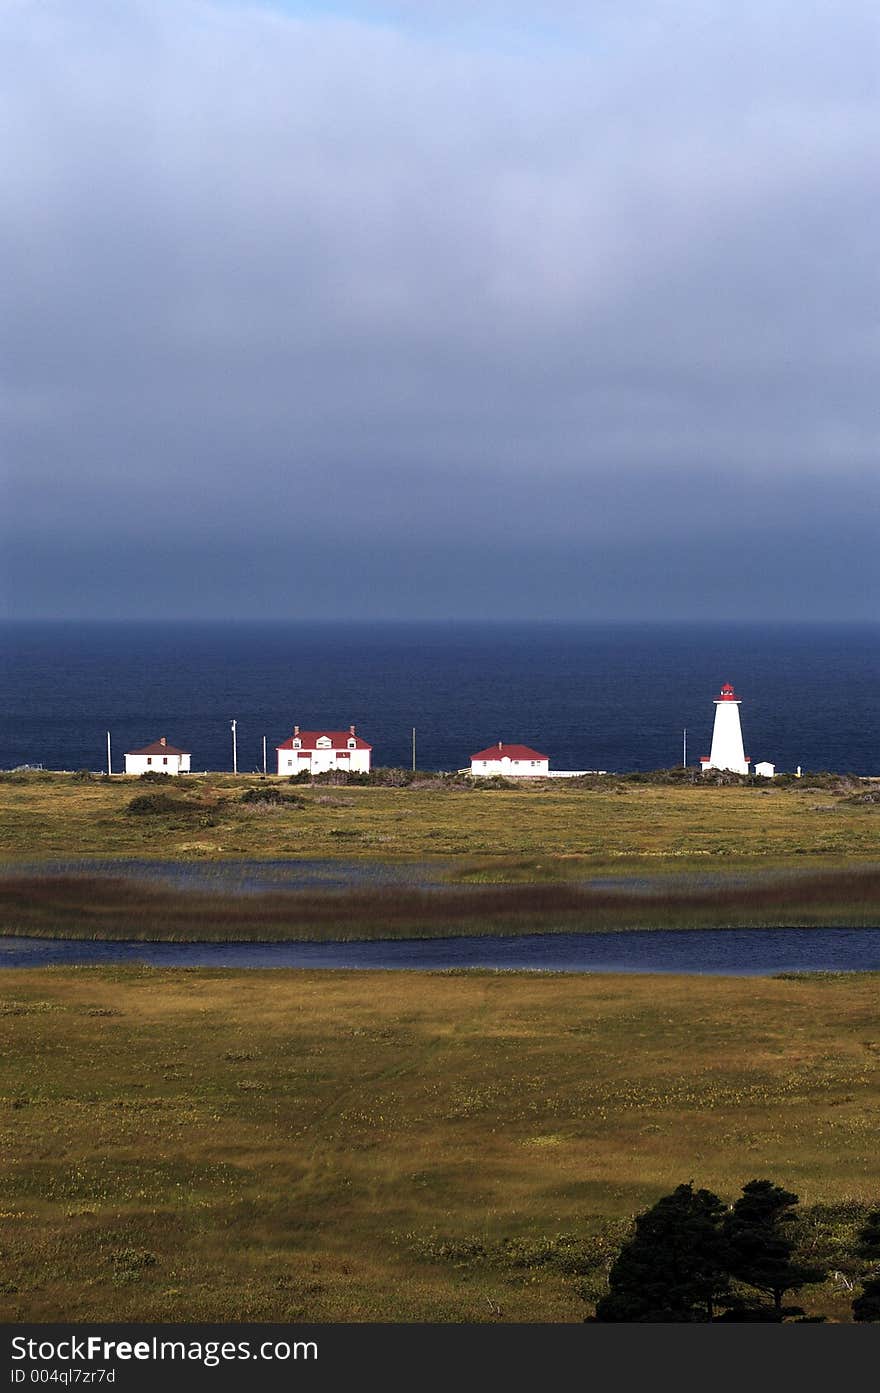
x=107, y=907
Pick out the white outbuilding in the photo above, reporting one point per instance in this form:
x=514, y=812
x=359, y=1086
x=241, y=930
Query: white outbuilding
x=510, y=761
x=765, y=769
x=317, y=751
x=727, y=741
x=158, y=758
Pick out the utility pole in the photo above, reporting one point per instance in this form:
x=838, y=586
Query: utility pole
x=109, y=761
x=684, y=757
x=232, y=727
x=414, y=748
x=264, y=754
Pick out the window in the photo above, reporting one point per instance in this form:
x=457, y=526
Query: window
x=164, y=759
x=296, y=744
x=149, y=759
x=352, y=744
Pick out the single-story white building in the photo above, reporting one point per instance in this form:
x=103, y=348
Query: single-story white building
x=160, y=758
x=510, y=761
x=766, y=769
x=320, y=750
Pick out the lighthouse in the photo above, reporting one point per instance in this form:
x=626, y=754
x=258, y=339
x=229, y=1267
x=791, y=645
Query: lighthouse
x=727, y=740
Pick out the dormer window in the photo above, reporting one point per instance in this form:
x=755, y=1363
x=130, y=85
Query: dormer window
x=324, y=743
x=296, y=744
x=352, y=744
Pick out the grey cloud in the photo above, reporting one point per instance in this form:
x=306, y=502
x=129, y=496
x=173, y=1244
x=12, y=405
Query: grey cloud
x=286, y=273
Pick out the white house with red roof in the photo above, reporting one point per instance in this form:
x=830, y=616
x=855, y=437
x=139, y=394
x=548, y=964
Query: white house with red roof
x=320, y=750
x=158, y=758
x=510, y=761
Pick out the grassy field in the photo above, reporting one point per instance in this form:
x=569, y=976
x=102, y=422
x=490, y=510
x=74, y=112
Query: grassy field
x=204, y=1145
x=789, y=855
x=615, y=824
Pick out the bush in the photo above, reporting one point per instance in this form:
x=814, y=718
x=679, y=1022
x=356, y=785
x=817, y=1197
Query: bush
x=383, y=778
x=269, y=796
x=871, y=797
x=151, y=804
x=154, y=776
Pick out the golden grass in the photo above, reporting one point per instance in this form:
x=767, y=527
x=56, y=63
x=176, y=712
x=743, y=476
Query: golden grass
x=200, y=1145
x=56, y=816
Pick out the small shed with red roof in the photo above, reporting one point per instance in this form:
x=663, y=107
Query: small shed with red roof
x=510, y=761
x=158, y=758
x=319, y=750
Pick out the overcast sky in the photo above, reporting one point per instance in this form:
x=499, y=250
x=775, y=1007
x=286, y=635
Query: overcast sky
x=440, y=309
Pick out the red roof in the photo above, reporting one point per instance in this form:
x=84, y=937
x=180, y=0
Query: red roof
x=158, y=747
x=308, y=740
x=501, y=751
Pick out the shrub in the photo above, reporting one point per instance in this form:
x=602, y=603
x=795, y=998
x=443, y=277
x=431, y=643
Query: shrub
x=871, y=797
x=154, y=776
x=151, y=804
x=269, y=796
x=130, y=1263
x=866, y=1306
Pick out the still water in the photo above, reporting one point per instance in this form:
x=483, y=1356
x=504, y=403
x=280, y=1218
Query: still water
x=719, y=952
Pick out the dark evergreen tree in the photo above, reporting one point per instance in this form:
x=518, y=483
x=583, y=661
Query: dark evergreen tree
x=673, y=1268
x=866, y=1306
x=869, y=1237
x=760, y=1250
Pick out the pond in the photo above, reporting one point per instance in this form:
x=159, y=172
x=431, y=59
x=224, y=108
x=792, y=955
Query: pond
x=719, y=952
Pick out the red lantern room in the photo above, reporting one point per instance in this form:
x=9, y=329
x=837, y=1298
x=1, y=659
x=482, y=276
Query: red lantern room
x=727, y=693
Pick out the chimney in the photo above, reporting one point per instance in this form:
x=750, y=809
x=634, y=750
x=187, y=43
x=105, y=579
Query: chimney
x=296, y=730
x=500, y=746
x=351, y=730
x=163, y=741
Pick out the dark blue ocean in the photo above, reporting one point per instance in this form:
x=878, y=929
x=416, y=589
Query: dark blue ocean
x=597, y=697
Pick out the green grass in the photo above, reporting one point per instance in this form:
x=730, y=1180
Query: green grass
x=613, y=824
x=200, y=1145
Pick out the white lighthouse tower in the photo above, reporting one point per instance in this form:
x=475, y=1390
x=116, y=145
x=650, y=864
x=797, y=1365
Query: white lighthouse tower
x=727, y=741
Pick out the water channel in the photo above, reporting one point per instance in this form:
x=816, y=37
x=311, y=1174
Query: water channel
x=723, y=952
